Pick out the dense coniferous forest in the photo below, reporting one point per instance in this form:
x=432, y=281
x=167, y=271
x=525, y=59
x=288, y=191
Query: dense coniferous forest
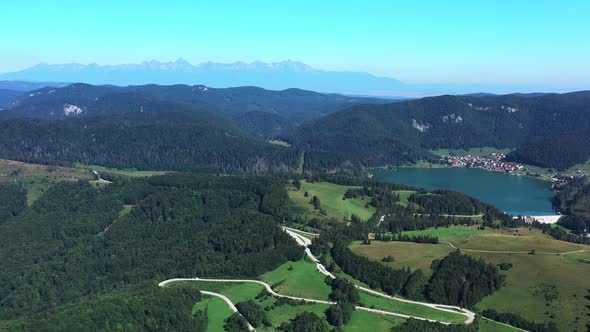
x=13, y=200
x=165, y=141
x=145, y=307
x=294, y=105
x=414, y=325
x=374, y=274
x=447, y=202
x=75, y=243
x=461, y=280
x=573, y=200
x=548, y=130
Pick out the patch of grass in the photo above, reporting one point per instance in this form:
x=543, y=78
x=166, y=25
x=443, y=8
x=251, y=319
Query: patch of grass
x=406, y=254
x=543, y=288
x=330, y=196
x=404, y=196
x=363, y=321
x=36, y=179
x=217, y=312
x=411, y=309
x=540, y=287
x=504, y=239
x=299, y=279
x=285, y=313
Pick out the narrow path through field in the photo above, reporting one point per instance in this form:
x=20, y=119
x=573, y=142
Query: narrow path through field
x=514, y=252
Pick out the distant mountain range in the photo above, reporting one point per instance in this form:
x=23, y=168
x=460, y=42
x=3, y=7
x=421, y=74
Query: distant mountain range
x=293, y=105
x=274, y=76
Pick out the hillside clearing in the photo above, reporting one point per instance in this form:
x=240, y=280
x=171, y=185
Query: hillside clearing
x=330, y=196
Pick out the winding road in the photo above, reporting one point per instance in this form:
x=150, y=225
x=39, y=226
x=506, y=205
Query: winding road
x=303, y=241
x=273, y=293
x=306, y=243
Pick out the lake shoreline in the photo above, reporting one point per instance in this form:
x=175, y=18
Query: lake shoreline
x=438, y=165
x=515, y=195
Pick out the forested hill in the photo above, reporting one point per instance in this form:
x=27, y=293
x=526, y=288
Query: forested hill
x=78, y=254
x=192, y=140
x=549, y=130
x=292, y=104
x=131, y=127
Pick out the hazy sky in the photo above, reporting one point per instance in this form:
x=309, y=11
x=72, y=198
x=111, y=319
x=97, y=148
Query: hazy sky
x=476, y=41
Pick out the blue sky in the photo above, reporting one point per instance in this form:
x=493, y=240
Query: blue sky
x=487, y=42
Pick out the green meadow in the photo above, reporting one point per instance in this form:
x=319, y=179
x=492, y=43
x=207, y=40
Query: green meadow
x=540, y=287
x=330, y=196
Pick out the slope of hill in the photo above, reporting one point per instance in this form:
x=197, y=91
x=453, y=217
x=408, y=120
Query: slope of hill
x=292, y=104
x=265, y=124
x=78, y=243
x=166, y=141
x=8, y=96
x=548, y=130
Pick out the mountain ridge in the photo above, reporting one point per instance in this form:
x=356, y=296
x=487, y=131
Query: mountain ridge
x=274, y=76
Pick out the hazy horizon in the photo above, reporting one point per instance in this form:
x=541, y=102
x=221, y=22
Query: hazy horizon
x=460, y=42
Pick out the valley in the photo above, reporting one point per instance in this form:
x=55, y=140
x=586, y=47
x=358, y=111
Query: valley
x=314, y=166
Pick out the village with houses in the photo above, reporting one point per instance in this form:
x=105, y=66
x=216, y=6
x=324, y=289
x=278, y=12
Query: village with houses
x=491, y=162
x=495, y=162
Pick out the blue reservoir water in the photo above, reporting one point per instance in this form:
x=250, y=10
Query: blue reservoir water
x=516, y=195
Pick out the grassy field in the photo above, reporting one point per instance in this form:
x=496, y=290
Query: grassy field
x=539, y=287
x=378, y=302
x=363, y=321
x=505, y=239
x=483, y=151
x=330, y=196
x=406, y=254
x=36, y=179
x=404, y=195
x=285, y=313
x=543, y=288
x=299, y=279
x=217, y=312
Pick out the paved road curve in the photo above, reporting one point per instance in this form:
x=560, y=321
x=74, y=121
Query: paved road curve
x=303, y=241
x=272, y=292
